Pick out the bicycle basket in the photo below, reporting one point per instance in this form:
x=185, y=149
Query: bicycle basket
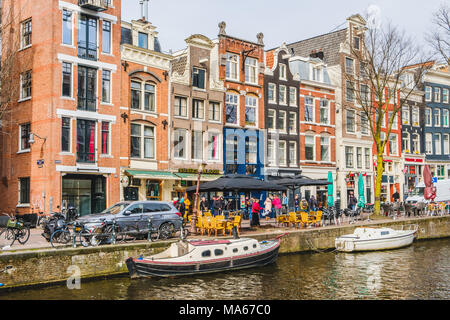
x=12, y=223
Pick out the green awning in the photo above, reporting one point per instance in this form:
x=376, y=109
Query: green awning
x=194, y=176
x=146, y=174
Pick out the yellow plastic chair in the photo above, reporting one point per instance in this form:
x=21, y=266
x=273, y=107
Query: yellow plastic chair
x=293, y=219
x=219, y=224
x=199, y=222
x=306, y=220
x=208, y=214
x=207, y=225
x=317, y=220
x=235, y=223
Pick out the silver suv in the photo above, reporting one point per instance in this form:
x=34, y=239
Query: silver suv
x=133, y=217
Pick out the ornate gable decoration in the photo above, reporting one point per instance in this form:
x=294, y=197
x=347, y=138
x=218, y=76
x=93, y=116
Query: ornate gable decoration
x=199, y=40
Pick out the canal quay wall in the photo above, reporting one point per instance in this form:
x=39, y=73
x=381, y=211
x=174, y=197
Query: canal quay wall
x=41, y=267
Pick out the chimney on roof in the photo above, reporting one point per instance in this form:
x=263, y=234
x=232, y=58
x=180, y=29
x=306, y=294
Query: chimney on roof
x=319, y=54
x=146, y=10
x=141, y=2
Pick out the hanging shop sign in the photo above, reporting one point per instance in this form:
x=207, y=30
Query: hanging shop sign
x=195, y=171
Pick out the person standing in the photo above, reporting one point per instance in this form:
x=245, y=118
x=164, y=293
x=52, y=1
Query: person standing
x=182, y=208
x=277, y=204
x=312, y=203
x=285, y=203
x=396, y=196
x=204, y=205
x=267, y=207
x=221, y=205
x=351, y=201
x=296, y=203
x=216, y=206
x=255, y=213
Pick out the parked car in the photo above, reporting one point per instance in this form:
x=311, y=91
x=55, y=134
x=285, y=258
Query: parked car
x=132, y=217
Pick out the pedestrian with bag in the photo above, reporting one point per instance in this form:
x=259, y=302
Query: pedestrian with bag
x=277, y=205
x=255, y=213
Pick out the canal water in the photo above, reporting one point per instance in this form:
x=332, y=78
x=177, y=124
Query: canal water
x=420, y=271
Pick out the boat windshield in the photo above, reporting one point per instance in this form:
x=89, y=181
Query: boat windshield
x=115, y=209
x=419, y=191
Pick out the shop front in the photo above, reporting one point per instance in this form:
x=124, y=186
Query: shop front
x=85, y=192
x=412, y=170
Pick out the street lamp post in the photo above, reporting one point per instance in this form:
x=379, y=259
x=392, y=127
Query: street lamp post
x=194, y=210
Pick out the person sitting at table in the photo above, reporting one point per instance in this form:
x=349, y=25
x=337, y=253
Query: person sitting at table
x=255, y=213
x=304, y=205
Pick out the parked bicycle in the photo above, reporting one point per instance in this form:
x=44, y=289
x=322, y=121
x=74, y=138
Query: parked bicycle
x=16, y=229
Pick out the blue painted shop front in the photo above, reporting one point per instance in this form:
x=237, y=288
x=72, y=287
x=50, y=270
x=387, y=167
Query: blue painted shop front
x=244, y=154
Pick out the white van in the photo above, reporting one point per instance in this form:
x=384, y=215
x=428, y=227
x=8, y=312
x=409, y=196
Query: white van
x=442, y=192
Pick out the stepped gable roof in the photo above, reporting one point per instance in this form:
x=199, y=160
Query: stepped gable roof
x=330, y=43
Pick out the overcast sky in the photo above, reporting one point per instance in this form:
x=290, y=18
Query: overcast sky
x=280, y=21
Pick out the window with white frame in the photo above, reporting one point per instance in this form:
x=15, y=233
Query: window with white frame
x=292, y=123
x=395, y=122
x=324, y=111
x=271, y=152
x=437, y=117
x=65, y=134
x=405, y=115
x=24, y=190
x=197, y=145
x=428, y=143
x=349, y=65
x=364, y=123
x=271, y=119
x=198, y=78
x=367, y=158
x=251, y=150
x=180, y=105
x=428, y=117
x=364, y=92
x=142, y=141
x=348, y=157
x=309, y=147
x=359, y=159
x=445, y=95
x=25, y=85
x=24, y=134
x=26, y=31
x=251, y=104
x=251, y=70
x=379, y=112
x=106, y=86
x=143, y=96
x=66, y=79
x=231, y=146
x=415, y=143
x=179, y=143
x=325, y=148
x=446, y=143
x=105, y=145
x=317, y=74
x=282, y=97
x=106, y=36
x=427, y=93
x=213, y=146
x=198, y=109
x=437, y=94
x=415, y=116
x=292, y=96
x=445, y=118
x=231, y=108
x=281, y=121
x=351, y=121
x=232, y=66
x=350, y=91
x=292, y=153
x=282, y=153
x=283, y=75
x=214, y=111
x=271, y=92
x=405, y=142
x=309, y=109
x=67, y=27
x=393, y=146
x=437, y=143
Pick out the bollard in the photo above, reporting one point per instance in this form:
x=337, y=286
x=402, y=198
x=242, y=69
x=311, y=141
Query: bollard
x=149, y=229
x=74, y=236
x=113, y=237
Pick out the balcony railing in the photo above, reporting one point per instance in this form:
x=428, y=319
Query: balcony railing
x=87, y=50
x=87, y=104
x=96, y=5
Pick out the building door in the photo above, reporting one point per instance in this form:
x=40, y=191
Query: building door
x=87, y=193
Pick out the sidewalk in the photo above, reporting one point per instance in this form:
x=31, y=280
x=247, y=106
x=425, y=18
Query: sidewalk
x=37, y=241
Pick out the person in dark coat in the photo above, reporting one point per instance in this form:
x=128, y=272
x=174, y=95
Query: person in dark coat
x=222, y=205
x=352, y=201
x=216, y=206
x=312, y=203
x=204, y=205
x=396, y=196
x=297, y=203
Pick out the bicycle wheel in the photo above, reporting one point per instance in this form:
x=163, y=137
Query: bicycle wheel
x=83, y=238
x=10, y=235
x=60, y=236
x=23, y=235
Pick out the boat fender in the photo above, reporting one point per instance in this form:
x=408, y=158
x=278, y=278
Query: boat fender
x=141, y=257
x=1, y=284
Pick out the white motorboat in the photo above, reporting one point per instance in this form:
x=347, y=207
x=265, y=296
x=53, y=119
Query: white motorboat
x=370, y=239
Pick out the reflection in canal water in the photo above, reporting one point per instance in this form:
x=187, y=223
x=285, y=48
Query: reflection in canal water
x=421, y=271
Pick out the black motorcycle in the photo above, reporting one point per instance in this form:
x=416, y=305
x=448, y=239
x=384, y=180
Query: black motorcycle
x=56, y=221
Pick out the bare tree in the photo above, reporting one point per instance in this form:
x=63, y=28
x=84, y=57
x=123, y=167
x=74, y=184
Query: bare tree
x=385, y=62
x=439, y=38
